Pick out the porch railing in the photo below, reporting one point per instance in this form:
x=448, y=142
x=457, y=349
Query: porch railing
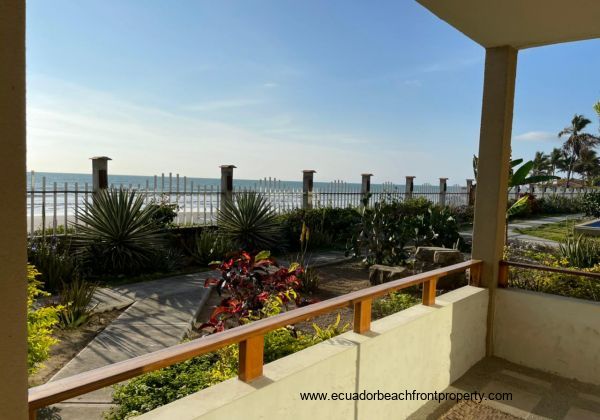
x=505, y=265
x=250, y=339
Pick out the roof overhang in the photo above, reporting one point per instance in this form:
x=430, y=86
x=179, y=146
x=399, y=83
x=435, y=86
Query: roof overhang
x=520, y=23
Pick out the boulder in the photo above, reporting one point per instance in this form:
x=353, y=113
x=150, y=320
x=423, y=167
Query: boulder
x=427, y=253
x=445, y=257
x=379, y=274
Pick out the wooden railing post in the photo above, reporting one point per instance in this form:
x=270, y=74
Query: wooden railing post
x=503, y=275
x=429, y=292
x=362, y=316
x=475, y=275
x=251, y=358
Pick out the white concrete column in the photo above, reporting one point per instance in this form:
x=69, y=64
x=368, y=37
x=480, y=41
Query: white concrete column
x=307, y=188
x=226, y=182
x=493, y=168
x=13, y=223
x=494, y=155
x=443, y=189
x=99, y=173
x=410, y=184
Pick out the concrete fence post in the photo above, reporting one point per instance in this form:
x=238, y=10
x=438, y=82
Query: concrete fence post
x=443, y=189
x=470, y=192
x=99, y=173
x=365, y=189
x=307, y=188
x=531, y=189
x=410, y=185
x=226, y=182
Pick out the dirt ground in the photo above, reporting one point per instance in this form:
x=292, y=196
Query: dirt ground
x=70, y=343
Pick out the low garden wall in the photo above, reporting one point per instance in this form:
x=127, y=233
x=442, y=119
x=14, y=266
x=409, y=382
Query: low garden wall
x=421, y=348
x=552, y=333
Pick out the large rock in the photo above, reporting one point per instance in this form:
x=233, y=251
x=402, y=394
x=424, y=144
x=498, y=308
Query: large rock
x=445, y=257
x=379, y=274
x=431, y=257
x=426, y=253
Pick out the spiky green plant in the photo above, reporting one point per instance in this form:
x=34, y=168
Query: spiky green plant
x=580, y=251
x=249, y=222
x=75, y=300
x=208, y=246
x=115, y=235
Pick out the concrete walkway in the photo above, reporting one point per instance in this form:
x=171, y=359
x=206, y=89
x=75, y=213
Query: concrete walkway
x=528, y=223
x=161, y=314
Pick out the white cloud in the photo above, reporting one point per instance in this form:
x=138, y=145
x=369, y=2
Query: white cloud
x=413, y=83
x=223, y=104
x=68, y=124
x=536, y=136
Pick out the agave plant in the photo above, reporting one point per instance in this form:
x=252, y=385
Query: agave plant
x=76, y=298
x=208, y=246
x=249, y=222
x=580, y=251
x=116, y=235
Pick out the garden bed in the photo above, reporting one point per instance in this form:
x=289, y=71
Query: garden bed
x=71, y=342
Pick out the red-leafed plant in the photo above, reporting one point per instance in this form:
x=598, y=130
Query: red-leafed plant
x=253, y=287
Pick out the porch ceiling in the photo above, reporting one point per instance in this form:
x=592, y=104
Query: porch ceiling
x=520, y=23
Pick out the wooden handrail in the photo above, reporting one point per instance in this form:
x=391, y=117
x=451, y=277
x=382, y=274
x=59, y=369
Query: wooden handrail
x=559, y=270
x=249, y=337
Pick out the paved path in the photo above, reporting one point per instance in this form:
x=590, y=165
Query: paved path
x=161, y=314
x=527, y=223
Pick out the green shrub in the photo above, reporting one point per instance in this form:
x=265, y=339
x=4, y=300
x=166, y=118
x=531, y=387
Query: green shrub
x=591, y=203
x=163, y=213
x=163, y=386
x=57, y=266
x=168, y=260
x=392, y=303
x=39, y=323
x=329, y=227
x=556, y=204
x=309, y=280
x=75, y=301
x=580, y=251
x=115, y=235
x=209, y=246
x=387, y=228
x=249, y=222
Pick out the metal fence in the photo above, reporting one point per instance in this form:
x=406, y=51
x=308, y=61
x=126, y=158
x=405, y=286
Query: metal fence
x=52, y=207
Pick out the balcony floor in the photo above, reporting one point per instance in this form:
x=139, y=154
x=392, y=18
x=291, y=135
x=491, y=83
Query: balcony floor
x=536, y=395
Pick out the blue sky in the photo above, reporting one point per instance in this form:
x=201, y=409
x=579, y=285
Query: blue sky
x=277, y=86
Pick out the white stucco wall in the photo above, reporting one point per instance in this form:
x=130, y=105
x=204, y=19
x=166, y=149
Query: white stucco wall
x=550, y=333
x=422, y=348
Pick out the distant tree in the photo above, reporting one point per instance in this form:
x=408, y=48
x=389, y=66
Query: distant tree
x=588, y=165
x=541, y=164
x=577, y=141
x=558, y=160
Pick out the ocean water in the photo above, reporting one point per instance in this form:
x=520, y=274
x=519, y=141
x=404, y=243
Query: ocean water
x=55, y=198
x=164, y=181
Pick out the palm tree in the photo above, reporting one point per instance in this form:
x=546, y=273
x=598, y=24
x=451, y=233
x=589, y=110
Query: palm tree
x=588, y=164
x=577, y=141
x=557, y=160
x=541, y=164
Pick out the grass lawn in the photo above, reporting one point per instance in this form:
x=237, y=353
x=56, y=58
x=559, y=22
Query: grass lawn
x=553, y=231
